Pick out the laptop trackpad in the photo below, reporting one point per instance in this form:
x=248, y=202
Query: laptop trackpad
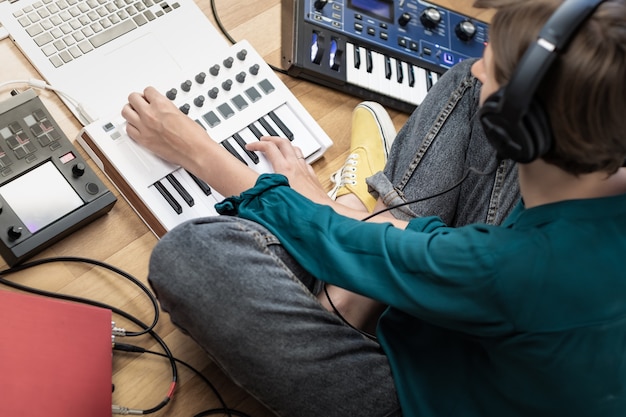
x=131, y=68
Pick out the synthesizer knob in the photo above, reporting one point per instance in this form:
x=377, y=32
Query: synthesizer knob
x=241, y=77
x=200, y=77
x=319, y=4
x=185, y=108
x=214, y=70
x=404, y=19
x=430, y=18
x=15, y=232
x=241, y=55
x=198, y=101
x=254, y=70
x=171, y=94
x=213, y=92
x=228, y=62
x=186, y=86
x=465, y=30
x=226, y=85
x=78, y=170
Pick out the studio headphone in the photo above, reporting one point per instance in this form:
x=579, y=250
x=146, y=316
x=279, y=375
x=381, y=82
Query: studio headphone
x=514, y=121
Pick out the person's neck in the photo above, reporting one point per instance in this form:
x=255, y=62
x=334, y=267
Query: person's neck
x=542, y=183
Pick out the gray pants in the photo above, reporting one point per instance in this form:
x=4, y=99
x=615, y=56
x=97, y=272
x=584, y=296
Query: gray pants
x=231, y=286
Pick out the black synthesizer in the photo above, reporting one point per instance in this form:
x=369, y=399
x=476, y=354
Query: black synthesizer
x=390, y=51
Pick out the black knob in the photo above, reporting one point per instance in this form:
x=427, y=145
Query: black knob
x=228, y=62
x=214, y=70
x=319, y=4
x=213, y=92
x=198, y=101
x=186, y=86
x=78, y=169
x=254, y=70
x=242, y=54
x=430, y=18
x=465, y=30
x=185, y=108
x=241, y=77
x=15, y=232
x=200, y=77
x=227, y=84
x=171, y=94
x=404, y=19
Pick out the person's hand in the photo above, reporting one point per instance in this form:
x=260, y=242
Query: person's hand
x=288, y=160
x=156, y=123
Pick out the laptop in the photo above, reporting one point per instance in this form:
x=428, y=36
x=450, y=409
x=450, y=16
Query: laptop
x=55, y=358
x=95, y=52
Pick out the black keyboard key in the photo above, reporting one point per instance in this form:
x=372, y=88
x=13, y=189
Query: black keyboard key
x=268, y=127
x=387, y=68
x=232, y=150
x=168, y=197
x=369, y=64
x=411, y=76
x=288, y=133
x=203, y=185
x=252, y=155
x=180, y=190
x=357, y=57
x=399, y=71
x=256, y=131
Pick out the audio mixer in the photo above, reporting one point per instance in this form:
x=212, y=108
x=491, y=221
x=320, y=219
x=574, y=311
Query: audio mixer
x=383, y=50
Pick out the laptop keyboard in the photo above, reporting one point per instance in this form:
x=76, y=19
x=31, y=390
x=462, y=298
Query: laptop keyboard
x=67, y=29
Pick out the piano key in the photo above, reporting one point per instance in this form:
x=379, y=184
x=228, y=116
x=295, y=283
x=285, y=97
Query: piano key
x=268, y=128
x=204, y=187
x=232, y=150
x=169, y=198
x=242, y=143
x=263, y=164
x=181, y=190
x=282, y=126
x=256, y=131
x=298, y=131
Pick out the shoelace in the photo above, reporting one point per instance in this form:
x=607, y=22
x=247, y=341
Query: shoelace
x=346, y=175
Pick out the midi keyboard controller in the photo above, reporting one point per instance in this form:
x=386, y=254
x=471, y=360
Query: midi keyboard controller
x=383, y=50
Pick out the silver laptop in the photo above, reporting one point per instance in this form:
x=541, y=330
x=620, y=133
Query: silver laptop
x=95, y=52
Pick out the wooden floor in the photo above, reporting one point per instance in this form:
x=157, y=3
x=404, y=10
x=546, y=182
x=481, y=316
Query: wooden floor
x=121, y=239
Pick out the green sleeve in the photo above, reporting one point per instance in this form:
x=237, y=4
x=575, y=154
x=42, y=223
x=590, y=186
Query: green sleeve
x=431, y=271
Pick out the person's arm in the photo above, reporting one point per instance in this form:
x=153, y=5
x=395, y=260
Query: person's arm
x=155, y=123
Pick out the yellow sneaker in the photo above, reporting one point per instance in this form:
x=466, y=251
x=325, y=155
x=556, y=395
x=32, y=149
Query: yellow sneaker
x=372, y=135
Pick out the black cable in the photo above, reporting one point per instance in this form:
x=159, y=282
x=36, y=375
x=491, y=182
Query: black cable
x=74, y=259
x=224, y=410
x=146, y=329
x=343, y=319
x=419, y=200
x=225, y=32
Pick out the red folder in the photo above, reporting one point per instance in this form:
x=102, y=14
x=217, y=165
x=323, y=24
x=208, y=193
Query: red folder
x=55, y=358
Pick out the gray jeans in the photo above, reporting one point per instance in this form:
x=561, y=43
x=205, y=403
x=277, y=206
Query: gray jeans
x=231, y=286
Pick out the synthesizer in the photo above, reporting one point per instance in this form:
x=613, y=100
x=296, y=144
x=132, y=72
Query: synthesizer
x=390, y=51
x=237, y=98
x=47, y=190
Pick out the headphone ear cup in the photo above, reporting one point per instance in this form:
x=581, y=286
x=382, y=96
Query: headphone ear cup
x=538, y=131
x=521, y=140
x=498, y=130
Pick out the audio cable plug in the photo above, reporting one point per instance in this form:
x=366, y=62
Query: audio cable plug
x=117, y=331
x=125, y=411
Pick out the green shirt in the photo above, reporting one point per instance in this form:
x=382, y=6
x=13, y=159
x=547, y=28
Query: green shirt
x=524, y=319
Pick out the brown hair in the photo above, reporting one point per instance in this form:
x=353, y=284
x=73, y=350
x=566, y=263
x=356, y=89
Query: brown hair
x=584, y=93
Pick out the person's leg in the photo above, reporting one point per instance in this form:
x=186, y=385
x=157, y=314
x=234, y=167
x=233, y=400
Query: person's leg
x=229, y=284
x=433, y=151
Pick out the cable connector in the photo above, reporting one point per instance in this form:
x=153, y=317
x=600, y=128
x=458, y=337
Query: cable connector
x=117, y=331
x=125, y=411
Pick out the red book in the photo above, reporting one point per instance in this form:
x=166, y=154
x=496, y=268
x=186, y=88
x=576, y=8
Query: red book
x=55, y=358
